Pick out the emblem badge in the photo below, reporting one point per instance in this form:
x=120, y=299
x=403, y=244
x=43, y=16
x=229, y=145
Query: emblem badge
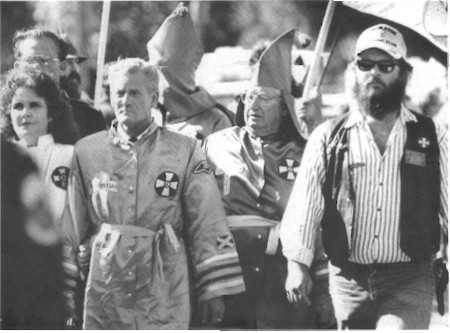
x=423, y=142
x=60, y=177
x=225, y=242
x=288, y=169
x=166, y=184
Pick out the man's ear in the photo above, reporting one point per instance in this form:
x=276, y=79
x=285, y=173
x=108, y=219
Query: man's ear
x=155, y=99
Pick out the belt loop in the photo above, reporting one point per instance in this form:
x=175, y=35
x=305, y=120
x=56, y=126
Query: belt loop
x=172, y=237
x=157, y=254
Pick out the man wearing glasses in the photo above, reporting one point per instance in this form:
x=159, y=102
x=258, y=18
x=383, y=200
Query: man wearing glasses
x=255, y=164
x=374, y=181
x=41, y=50
x=71, y=76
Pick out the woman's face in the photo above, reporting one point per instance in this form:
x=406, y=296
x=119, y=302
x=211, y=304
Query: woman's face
x=29, y=115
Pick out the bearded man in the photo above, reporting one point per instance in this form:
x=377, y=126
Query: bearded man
x=374, y=181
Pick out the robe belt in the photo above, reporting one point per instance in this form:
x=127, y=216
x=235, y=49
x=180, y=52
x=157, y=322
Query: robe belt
x=249, y=221
x=165, y=233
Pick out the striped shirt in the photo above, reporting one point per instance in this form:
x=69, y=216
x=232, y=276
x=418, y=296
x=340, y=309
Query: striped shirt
x=376, y=181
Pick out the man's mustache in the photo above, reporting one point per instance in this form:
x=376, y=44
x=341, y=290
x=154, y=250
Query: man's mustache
x=72, y=76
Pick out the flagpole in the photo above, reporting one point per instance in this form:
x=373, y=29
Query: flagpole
x=103, y=38
x=312, y=77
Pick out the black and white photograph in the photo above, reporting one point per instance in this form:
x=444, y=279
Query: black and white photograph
x=224, y=165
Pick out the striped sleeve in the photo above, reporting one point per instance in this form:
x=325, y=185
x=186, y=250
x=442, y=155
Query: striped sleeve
x=216, y=262
x=219, y=275
x=304, y=210
x=442, y=136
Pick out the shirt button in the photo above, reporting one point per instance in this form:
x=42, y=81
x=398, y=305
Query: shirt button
x=129, y=294
x=376, y=236
x=129, y=251
x=130, y=273
x=130, y=209
x=256, y=269
x=381, y=184
x=259, y=236
x=258, y=205
x=379, y=209
x=132, y=166
x=131, y=189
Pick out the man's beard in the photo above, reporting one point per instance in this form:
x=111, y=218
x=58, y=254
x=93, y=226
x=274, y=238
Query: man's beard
x=381, y=103
x=71, y=84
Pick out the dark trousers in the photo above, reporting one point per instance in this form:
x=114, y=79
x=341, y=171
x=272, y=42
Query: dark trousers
x=266, y=307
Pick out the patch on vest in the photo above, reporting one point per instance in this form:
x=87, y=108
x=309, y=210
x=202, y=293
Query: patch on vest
x=415, y=158
x=424, y=142
x=288, y=169
x=60, y=177
x=225, y=242
x=203, y=166
x=166, y=184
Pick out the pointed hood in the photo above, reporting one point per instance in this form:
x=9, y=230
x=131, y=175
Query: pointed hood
x=274, y=70
x=176, y=49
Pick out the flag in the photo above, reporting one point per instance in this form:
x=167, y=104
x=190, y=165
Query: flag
x=426, y=17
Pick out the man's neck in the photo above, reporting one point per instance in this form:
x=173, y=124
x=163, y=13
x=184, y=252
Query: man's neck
x=381, y=126
x=133, y=131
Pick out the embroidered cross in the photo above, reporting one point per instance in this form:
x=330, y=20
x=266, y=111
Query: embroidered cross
x=224, y=242
x=288, y=169
x=424, y=142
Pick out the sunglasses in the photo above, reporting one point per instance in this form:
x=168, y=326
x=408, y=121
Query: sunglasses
x=385, y=66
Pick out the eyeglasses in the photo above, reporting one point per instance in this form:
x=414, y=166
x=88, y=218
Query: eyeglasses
x=71, y=61
x=385, y=66
x=40, y=60
x=264, y=99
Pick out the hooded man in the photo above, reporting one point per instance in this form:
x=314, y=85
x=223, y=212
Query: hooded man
x=177, y=51
x=255, y=164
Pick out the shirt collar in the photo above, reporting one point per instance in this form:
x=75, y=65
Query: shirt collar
x=124, y=136
x=43, y=140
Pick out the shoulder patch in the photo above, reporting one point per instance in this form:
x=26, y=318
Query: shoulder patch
x=225, y=242
x=166, y=184
x=60, y=177
x=203, y=166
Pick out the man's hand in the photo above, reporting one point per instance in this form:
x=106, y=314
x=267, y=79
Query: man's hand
x=310, y=110
x=71, y=317
x=211, y=312
x=83, y=260
x=324, y=310
x=298, y=283
x=182, y=8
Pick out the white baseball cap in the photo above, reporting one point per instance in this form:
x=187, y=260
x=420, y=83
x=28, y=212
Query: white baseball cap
x=383, y=37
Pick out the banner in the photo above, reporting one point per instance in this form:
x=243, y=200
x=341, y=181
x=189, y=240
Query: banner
x=427, y=18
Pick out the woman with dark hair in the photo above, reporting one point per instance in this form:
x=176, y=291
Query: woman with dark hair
x=36, y=116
